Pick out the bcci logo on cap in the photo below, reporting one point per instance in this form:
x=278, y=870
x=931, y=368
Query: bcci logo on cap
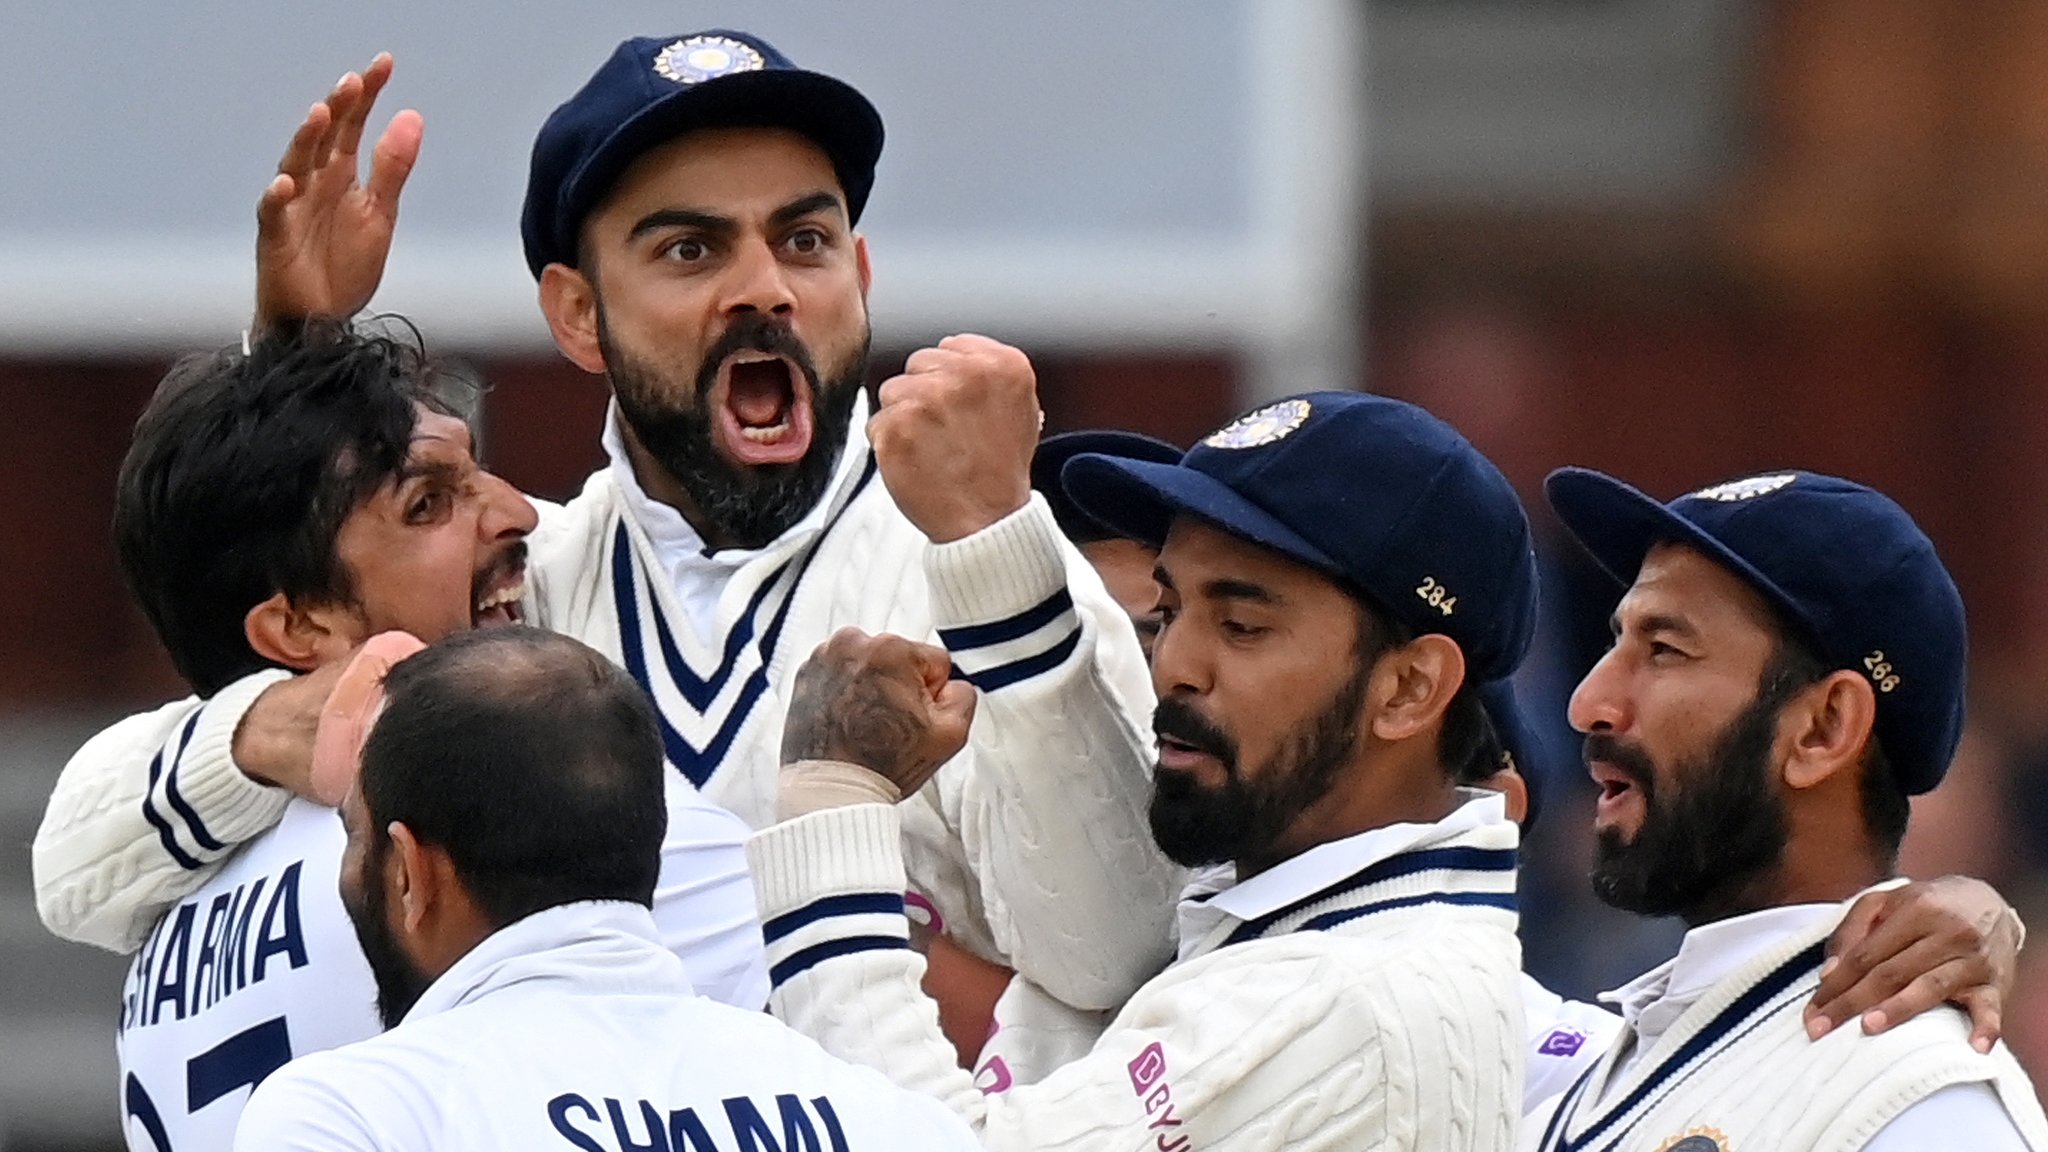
x=702, y=58
x=1255, y=429
x=1749, y=489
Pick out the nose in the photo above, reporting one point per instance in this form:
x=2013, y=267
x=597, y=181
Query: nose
x=758, y=281
x=1178, y=666
x=507, y=514
x=1599, y=703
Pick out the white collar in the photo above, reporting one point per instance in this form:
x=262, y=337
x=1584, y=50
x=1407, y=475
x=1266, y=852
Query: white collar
x=1708, y=954
x=1214, y=892
x=592, y=945
x=674, y=537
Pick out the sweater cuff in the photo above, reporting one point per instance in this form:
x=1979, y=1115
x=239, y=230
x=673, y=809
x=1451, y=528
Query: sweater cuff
x=230, y=806
x=1000, y=599
x=1005, y=569
x=829, y=884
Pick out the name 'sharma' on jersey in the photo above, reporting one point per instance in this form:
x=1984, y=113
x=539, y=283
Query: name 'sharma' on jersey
x=258, y=966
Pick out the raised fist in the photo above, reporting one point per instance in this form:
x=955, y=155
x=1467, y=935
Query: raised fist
x=955, y=434
x=881, y=702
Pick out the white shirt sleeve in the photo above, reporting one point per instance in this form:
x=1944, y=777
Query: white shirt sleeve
x=1057, y=778
x=145, y=813
x=1958, y=1116
x=704, y=900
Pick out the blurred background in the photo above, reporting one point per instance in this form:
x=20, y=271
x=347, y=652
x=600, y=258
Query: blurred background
x=1680, y=240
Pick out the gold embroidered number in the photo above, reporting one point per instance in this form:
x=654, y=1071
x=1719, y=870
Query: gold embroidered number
x=1881, y=672
x=1437, y=596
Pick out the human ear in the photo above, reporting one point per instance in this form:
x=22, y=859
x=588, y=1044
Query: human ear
x=1413, y=686
x=1830, y=728
x=569, y=301
x=297, y=638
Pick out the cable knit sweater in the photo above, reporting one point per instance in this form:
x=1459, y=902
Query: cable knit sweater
x=1380, y=1010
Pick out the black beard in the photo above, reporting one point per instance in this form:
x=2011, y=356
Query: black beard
x=1702, y=846
x=400, y=982
x=742, y=506
x=1244, y=818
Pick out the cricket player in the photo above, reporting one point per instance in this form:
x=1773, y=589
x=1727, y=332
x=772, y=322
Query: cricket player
x=1788, y=668
x=690, y=220
x=504, y=835
x=283, y=506
x=1348, y=973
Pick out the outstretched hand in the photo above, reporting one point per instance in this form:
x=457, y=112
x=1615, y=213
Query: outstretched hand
x=322, y=234
x=1901, y=952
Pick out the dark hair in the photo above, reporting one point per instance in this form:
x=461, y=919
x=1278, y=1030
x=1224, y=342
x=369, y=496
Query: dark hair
x=243, y=468
x=532, y=760
x=1468, y=746
x=1796, y=664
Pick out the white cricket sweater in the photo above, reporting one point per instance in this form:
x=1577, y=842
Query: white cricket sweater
x=1379, y=1009
x=1034, y=843
x=573, y=1028
x=1735, y=1070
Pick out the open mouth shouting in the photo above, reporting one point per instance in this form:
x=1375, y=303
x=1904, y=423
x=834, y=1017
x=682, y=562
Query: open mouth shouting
x=761, y=406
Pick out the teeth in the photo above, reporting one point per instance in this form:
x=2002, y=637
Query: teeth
x=510, y=594
x=753, y=357
x=767, y=435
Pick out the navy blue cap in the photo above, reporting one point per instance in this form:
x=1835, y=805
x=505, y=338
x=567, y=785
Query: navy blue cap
x=1842, y=562
x=654, y=89
x=1054, y=452
x=1372, y=491
x=1522, y=747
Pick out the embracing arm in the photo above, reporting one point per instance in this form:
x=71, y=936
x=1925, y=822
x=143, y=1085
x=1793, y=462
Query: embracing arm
x=1904, y=949
x=144, y=813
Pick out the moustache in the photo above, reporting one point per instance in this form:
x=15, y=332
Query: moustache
x=1177, y=720
x=760, y=332
x=511, y=560
x=1629, y=759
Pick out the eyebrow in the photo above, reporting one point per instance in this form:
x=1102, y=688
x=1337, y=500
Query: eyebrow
x=805, y=205
x=682, y=218
x=1657, y=622
x=438, y=469
x=1227, y=589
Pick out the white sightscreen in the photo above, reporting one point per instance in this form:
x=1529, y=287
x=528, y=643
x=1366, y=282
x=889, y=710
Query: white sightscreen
x=1137, y=172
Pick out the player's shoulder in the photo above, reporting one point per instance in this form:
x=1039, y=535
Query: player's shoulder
x=1368, y=978
x=565, y=534
x=322, y=1092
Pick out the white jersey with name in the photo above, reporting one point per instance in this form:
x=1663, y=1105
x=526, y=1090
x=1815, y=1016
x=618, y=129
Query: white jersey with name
x=260, y=965
x=573, y=1030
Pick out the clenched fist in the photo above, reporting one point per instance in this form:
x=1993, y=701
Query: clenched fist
x=881, y=702
x=955, y=434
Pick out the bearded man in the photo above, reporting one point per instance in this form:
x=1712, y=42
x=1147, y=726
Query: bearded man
x=1788, y=668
